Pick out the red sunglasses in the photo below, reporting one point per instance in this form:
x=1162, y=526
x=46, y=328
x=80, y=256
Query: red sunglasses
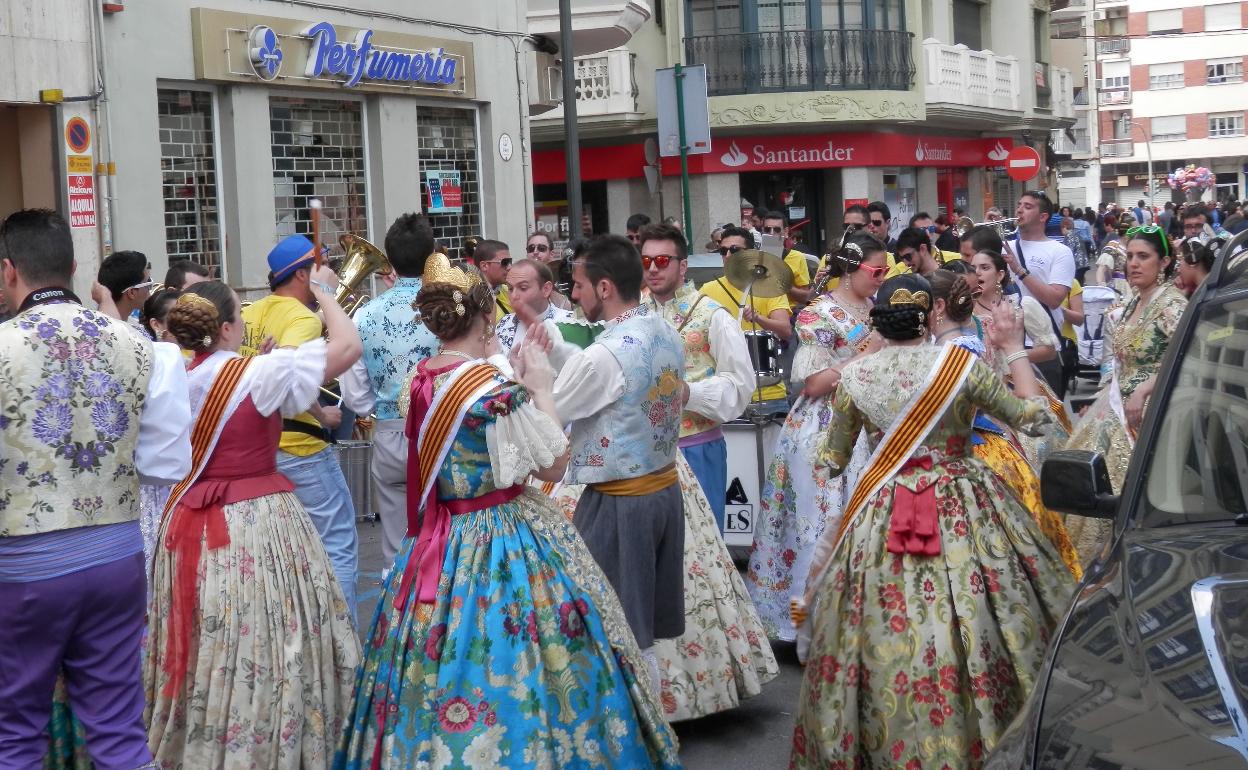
x=873, y=271
x=660, y=261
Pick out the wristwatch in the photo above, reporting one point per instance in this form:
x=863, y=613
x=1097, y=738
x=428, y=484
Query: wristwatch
x=1023, y=275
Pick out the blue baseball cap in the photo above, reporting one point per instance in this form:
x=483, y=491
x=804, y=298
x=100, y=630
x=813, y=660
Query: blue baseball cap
x=290, y=254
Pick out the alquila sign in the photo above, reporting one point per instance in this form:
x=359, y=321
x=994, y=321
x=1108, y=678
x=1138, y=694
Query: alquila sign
x=319, y=53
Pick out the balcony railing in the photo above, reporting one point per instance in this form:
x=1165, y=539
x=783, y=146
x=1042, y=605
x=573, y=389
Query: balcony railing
x=1113, y=46
x=1115, y=97
x=958, y=75
x=1123, y=148
x=1063, y=145
x=804, y=60
x=606, y=84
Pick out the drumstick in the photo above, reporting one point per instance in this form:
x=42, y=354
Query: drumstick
x=315, y=206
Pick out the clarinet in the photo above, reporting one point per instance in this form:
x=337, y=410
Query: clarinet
x=818, y=287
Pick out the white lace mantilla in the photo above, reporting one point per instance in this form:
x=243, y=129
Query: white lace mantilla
x=524, y=441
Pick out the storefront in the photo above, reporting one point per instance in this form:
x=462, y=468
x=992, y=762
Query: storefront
x=254, y=116
x=812, y=178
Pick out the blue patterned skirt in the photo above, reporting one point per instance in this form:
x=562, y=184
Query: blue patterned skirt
x=524, y=660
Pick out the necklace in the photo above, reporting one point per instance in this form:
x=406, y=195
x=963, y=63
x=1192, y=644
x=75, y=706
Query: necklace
x=859, y=310
x=458, y=354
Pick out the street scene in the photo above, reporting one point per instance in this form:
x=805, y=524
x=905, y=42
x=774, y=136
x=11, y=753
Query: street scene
x=708, y=384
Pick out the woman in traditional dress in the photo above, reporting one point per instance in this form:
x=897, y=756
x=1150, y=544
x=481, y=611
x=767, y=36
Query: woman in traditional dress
x=799, y=499
x=498, y=641
x=1195, y=264
x=723, y=657
x=933, y=616
x=998, y=447
x=993, y=281
x=1138, y=341
x=251, y=653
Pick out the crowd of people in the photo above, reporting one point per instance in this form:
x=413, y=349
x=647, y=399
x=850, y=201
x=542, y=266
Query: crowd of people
x=178, y=551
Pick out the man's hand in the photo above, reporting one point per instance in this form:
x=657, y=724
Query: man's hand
x=750, y=314
x=1011, y=259
x=267, y=346
x=537, y=336
x=330, y=417
x=324, y=274
x=103, y=299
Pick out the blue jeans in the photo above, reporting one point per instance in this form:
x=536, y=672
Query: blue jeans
x=321, y=487
x=709, y=462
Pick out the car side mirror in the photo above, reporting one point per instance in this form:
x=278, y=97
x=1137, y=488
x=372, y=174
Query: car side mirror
x=1077, y=481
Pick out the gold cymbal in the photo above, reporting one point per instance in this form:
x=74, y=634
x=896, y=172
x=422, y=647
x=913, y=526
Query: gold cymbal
x=764, y=274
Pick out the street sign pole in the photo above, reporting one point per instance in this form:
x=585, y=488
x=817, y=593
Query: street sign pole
x=572, y=145
x=684, y=152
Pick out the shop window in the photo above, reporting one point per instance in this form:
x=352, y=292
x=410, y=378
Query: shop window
x=318, y=152
x=1168, y=75
x=1226, y=124
x=1169, y=128
x=446, y=140
x=1222, y=16
x=968, y=24
x=1222, y=71
x=188, y=176
x=1166, y=22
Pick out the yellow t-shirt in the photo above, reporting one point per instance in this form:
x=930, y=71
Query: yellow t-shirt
x=796, y=261
x=1068, y=329
x=290, y=323
x=502, y=303
x=730, y=297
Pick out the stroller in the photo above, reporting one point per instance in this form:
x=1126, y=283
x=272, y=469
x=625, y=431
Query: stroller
x=1097, y=300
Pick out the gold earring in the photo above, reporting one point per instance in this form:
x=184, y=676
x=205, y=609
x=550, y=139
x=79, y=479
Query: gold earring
x=488, y=334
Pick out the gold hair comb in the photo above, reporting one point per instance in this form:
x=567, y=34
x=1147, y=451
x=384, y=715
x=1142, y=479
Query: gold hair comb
x=198, y=301
x=438, y=269
x=904, y=297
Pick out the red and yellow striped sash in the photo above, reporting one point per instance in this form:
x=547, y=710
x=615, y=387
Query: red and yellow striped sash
x=910, y=427
x=207, y=422
x=444, y=419
x=1056, y=407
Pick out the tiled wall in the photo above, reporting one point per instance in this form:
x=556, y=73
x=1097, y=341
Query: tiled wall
x=446, y=140
x=318, y=152
x=188, y=177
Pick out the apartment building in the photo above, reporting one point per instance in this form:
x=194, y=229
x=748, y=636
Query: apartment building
x=815, y=105
x=1165, y=80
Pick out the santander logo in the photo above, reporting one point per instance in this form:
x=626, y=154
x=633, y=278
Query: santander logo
x=930, y=152
x=998, y=152
x=734, y=157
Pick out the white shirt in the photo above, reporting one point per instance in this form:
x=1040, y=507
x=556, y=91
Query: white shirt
x=1051, y=262
x=356, y=388
x=162, y=455
x=511, y=330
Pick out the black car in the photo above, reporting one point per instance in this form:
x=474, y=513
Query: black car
x=1149, y=669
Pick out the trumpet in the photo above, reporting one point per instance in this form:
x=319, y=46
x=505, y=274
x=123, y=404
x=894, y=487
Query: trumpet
x=1006, y=228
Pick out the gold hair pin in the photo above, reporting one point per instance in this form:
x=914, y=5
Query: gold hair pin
x=198, y=301
x=904, y=297
x=438, y=269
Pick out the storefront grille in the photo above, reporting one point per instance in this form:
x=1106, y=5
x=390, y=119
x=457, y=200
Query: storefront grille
x=446, y=140
x=188, y=177
x=318, y=152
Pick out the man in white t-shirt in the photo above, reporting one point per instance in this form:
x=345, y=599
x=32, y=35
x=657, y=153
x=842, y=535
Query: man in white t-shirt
x=1043, y=269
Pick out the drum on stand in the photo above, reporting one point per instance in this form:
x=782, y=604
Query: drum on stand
x=765, y=354
x=356, y=457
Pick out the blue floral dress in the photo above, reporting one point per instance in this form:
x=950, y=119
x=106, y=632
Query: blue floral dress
x=524, y=659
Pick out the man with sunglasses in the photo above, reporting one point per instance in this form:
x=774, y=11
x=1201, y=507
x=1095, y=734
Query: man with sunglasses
x=879, y=219
x=719, y=376
x=128, y=277
x=775, y=223
x=493, y=259
x=756, y=313
x=632, y=227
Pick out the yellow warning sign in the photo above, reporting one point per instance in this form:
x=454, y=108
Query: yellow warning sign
x=78, y=164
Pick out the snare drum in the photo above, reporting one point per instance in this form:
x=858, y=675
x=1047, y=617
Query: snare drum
x=765, y=353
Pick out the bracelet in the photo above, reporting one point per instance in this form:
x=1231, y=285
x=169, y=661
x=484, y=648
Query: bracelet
x=1015, y=356
x=323, y=287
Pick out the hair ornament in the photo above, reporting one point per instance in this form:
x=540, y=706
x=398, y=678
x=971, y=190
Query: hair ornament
x=905, y=297
x=458, y=296
x=207, y=340
x=855, y=250
x=197, y=301
x=438, y=269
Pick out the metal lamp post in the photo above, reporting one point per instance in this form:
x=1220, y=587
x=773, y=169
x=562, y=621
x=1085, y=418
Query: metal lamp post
x=1148, y=150
x=572, y=147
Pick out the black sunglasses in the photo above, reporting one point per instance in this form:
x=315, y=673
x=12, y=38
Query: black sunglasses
x=726, y=250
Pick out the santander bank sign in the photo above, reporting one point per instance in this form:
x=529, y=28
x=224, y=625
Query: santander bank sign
x=767, y=153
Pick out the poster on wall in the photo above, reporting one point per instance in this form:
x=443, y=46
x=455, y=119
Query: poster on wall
x=445, y=193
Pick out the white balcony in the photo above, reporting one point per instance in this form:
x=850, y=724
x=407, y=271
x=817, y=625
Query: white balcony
x=606, y=87
x=597, y=25
x=960, y=77
x=1119, y=148
x=1115, y=97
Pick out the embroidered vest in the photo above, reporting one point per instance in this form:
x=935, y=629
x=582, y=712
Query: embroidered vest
x=72, y=386
x=696, y=335
x=637, y=434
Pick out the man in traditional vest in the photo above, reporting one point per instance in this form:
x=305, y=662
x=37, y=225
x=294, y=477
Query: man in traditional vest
x=623, y=397
x=719, y=377
x=87, y=410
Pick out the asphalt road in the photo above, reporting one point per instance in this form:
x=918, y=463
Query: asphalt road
x=754, y=736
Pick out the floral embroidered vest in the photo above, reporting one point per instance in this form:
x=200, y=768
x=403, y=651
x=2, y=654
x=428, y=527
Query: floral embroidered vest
x=637, y=434
x=696, y=335
x=72, y=386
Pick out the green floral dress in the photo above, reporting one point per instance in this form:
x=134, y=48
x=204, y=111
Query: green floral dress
x=921, y=661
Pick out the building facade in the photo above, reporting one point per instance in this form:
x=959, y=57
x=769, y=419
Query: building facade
x=814, y=105
x=1169, y=85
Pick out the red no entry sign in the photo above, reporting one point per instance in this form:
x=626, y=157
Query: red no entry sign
x=1022, y=163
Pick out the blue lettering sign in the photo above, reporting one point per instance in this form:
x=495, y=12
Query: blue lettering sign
x=359, y=60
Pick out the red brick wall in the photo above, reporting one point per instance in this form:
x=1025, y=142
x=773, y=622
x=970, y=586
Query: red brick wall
x=1198, y=126
x=1243, y=14
x=1147, y=125
x=1194, y=18
x=1137, y=23
x=1195, y=73
x=1139, y=77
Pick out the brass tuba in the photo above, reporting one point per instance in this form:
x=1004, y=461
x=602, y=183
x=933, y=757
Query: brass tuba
x=362, y=260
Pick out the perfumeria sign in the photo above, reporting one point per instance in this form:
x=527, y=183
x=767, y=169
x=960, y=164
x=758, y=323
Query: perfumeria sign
x=353, y=61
